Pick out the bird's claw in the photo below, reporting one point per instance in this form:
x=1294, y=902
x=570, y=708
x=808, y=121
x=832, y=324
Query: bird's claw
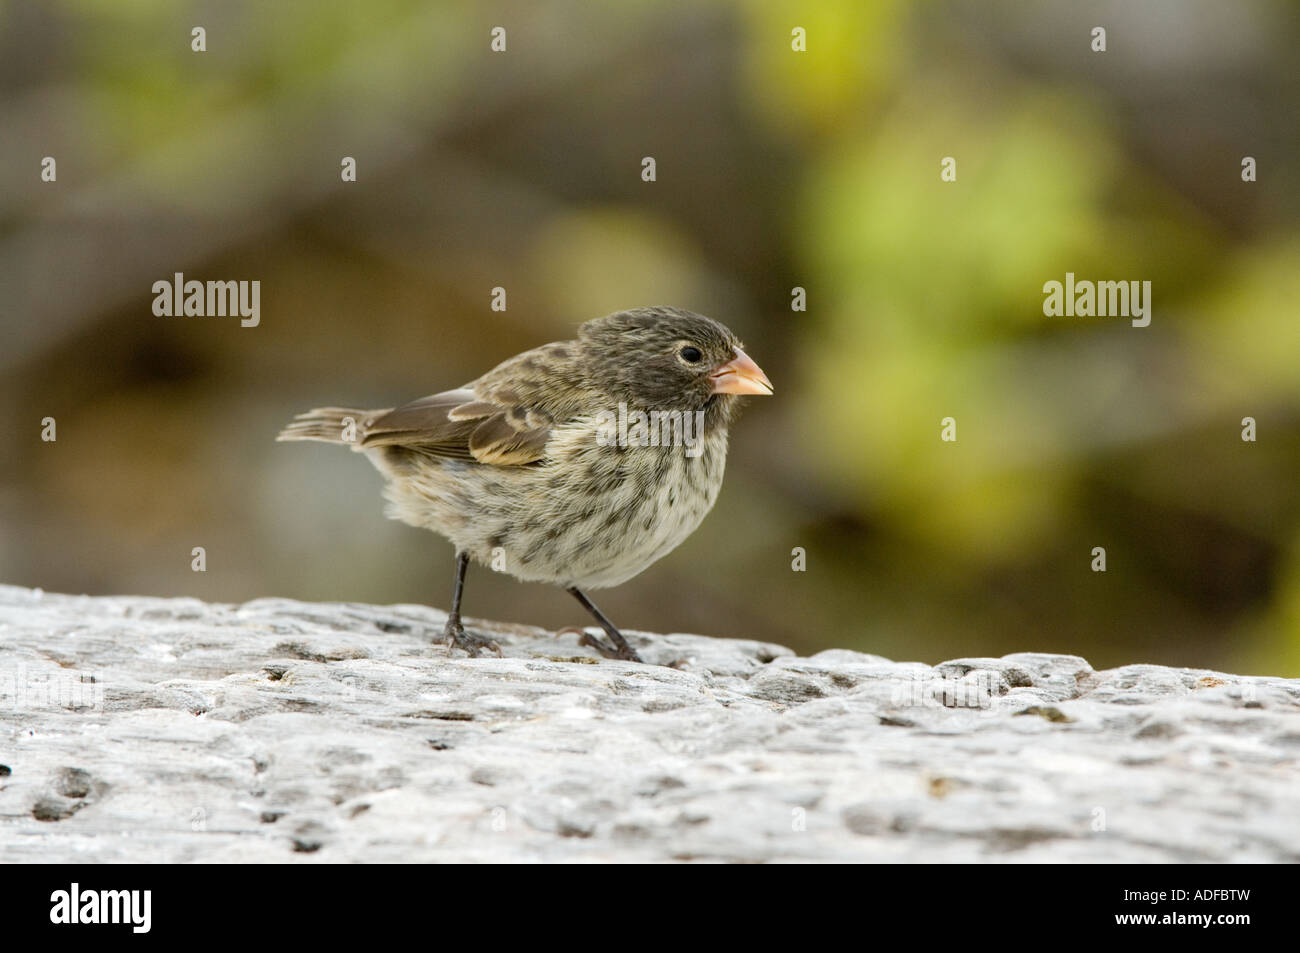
x=473, y=645
x=625, y=653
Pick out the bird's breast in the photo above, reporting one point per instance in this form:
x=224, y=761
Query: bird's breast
x=618, y=509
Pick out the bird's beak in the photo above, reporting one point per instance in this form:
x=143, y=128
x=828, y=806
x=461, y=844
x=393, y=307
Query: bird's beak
x=740, y=376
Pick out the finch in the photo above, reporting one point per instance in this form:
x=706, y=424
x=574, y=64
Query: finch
x=578, y=463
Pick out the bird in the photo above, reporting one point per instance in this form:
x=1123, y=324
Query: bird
x=576, y=464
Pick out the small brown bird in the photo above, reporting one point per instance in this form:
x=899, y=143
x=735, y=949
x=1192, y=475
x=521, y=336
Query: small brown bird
x=578, y=463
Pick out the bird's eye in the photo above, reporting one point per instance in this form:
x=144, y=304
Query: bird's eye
x=691, y=355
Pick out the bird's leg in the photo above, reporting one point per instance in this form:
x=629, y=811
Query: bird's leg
x=454, y=632
x=620, y=649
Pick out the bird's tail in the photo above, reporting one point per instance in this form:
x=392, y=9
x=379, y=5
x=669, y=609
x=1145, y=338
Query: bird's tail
x=330, y=424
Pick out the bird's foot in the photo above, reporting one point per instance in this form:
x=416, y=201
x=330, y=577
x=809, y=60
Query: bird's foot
x=624, y=651
x=472, y=645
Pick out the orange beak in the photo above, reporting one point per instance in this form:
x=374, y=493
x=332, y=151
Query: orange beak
x=740, y=376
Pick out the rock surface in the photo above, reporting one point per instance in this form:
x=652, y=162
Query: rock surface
x=139, y=729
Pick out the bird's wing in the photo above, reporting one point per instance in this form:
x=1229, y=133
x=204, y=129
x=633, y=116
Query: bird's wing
x=504, y=418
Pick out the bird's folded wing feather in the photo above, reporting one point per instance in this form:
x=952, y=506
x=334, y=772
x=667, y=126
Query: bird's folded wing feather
x=504, y=418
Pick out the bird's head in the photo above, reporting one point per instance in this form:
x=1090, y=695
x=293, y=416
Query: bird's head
x=669, y=359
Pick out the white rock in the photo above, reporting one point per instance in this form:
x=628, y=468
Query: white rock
x=140, y=729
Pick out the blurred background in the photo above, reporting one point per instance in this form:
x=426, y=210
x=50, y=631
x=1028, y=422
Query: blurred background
x=775, y=169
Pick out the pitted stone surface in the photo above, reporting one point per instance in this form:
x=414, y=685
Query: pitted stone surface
x=139, y=729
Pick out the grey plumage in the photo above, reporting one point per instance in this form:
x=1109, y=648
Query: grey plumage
x=511, y=468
